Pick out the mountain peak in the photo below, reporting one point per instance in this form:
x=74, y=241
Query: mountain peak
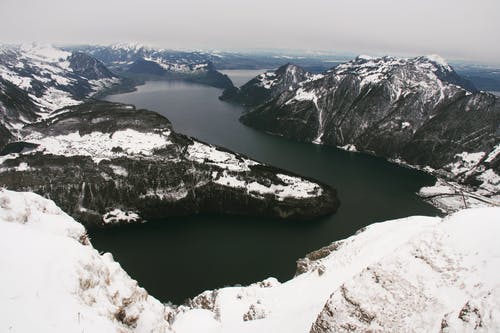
x=438, y=60
x=131, y=47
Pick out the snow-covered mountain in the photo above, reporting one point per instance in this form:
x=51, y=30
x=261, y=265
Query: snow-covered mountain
x=145, y=62
x=267, y=85
x=417, y=274
x=36, y=80
x=107, y=163
x=417, y=111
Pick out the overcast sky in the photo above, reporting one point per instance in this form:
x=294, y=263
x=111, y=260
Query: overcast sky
x=455, y=29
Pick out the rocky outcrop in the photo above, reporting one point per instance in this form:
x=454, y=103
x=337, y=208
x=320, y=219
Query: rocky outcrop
x=88, y=67
x=417, y=111
x=106, y=163
x=266, y=85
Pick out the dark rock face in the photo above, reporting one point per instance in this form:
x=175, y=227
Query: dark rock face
x=16, y=107
x=5, y=136
x=168, y=180
x=470, y=123
x=412, y=109
x=88, y=67
x=266, y=86
x=147, y=67
x=203, y=74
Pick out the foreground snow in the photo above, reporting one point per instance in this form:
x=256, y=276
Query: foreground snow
x=416, y=274
x=53, y=280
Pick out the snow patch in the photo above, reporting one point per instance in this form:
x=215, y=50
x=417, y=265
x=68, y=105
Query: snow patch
x=293, y=187
x=120, y=216
x=100, y=145
x=464, y=162
x=119, y=170
x=349, y=147
x=203, y=153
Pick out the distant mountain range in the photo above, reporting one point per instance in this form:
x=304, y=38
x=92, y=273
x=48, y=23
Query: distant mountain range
x=141, y=62
x=418, y=111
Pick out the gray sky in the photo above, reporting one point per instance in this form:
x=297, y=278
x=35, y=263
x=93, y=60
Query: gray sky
x=455, y=29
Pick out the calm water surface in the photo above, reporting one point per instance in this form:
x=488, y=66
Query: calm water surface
x=177, y=258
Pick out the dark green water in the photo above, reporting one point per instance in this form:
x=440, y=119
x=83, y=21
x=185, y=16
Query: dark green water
x=178, y=258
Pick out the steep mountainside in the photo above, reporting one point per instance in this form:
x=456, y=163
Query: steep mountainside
x=409, y=275
x=151, y=63
x=36, y=80
x=107, y=163
x=418, y=111
x=267, y=85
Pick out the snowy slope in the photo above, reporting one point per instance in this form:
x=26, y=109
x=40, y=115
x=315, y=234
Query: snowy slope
x=418, y=274
x=53, y=280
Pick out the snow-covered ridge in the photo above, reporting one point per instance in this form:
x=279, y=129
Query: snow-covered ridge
x=127, y=53
x=412, y=274
x=419, y=71
x=287, y=76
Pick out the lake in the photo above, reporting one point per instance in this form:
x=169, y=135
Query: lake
x=177, y=258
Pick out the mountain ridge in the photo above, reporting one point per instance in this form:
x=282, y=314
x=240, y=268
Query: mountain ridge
x=411, y=110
